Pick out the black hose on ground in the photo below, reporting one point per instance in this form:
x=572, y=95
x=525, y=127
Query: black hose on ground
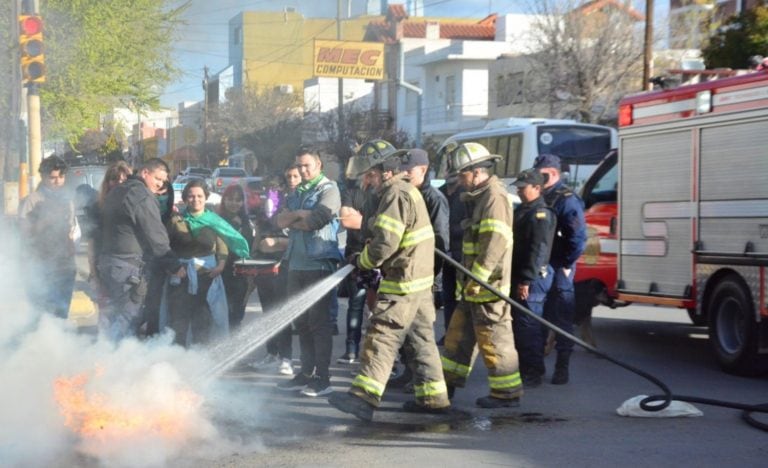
x=651, y=403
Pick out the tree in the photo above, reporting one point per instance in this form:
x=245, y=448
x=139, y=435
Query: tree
x=8, y=95
x=103, y=53
x=585, y=58
x=360, y=125
x=740, y=37
x=265, y=122
x=105, y=144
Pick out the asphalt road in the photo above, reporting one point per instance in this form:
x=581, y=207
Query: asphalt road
x=574, y=425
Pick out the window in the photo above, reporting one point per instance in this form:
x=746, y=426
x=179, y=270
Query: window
x=450, y=97
x=237, y=34
x=411, y=99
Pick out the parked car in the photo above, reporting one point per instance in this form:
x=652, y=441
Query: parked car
x=181, y=181
x=89, y=175
x=224, y=176
x=199, y=171
x=255, y=195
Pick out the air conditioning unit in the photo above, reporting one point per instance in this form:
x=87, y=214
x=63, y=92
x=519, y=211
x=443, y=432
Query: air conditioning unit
x=285, y=89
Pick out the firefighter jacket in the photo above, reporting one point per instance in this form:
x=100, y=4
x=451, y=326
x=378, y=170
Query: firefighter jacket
x=487, y=243
x=403, y=241
x=534, y=229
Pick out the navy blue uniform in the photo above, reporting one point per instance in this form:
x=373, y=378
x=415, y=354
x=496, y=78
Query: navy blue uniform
x=570, y=240
x=534, y=230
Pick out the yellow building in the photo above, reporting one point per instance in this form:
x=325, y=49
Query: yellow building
x=274, y=49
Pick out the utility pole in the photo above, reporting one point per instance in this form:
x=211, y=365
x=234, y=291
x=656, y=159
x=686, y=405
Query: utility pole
x=204, y=162
x=648, y=46
x=340, y=80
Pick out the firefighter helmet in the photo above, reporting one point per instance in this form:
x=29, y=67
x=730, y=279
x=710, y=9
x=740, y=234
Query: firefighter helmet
x=370, y=155
x=464, y=156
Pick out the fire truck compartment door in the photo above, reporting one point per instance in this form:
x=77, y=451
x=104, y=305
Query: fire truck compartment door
x=734, y=188
x=656, y=208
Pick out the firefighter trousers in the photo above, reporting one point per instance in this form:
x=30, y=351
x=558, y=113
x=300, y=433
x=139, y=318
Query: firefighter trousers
x=489, y=326
x=394, y=319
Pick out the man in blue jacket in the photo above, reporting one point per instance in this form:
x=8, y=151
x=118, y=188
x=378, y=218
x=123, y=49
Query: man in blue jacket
x=568, y=245
x=313, y=253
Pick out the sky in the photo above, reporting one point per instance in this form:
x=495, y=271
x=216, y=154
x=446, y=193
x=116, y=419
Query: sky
x=203, y=39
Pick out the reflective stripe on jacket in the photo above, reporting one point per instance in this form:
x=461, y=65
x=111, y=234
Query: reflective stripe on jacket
x=403, y=241
x=487, y=243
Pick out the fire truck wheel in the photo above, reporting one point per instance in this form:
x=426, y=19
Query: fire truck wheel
x=732, y=328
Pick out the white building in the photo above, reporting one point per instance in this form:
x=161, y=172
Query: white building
x=448, y=60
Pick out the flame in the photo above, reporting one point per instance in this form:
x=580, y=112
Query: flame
x=93, y=416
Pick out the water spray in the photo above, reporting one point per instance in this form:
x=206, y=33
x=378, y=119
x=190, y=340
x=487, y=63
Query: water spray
x=227, y=353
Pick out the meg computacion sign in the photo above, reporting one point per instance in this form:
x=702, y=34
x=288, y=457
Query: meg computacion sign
x=346, y=59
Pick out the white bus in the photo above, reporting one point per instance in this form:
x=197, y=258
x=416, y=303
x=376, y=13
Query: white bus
x=519, y=141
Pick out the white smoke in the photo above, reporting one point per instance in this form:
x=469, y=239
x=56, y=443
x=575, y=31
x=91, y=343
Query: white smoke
x=138, y=378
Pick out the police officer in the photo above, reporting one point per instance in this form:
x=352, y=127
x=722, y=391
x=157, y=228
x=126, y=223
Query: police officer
x=534, y=230
x=570, y=240
x=482, y=320
x=402, y=246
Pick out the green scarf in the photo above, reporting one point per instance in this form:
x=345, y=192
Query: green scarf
x=310, y=184
x=234, y=240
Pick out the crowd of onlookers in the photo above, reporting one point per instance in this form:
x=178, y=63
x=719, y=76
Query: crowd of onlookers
x=153, y=262
x=156, y=263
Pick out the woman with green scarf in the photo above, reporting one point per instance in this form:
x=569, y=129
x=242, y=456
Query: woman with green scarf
x=202, y=240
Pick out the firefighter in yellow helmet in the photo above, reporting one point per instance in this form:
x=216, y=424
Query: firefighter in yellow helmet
x=481, y=318
x=402, y=247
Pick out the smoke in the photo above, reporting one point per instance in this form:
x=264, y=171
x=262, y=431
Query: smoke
x=72, y=399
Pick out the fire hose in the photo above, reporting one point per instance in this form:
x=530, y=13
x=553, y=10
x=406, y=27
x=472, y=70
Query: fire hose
x=651, y=403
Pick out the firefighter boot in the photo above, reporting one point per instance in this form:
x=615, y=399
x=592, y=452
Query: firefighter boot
x=415, y=407
x=560, y=376
x=353, y=405
x=490, y=402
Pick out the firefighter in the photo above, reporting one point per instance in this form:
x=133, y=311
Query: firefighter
x=481, y=317
x=402, y=246
x=568, y=245
x=534, y=230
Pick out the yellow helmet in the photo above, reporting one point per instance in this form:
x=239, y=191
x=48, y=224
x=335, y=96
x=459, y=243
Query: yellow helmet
x=370, y=155
x=461, y=156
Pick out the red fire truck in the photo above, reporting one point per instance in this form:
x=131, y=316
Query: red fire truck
x=679, y=217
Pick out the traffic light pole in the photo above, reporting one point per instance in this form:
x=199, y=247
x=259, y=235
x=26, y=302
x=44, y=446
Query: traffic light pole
x=35, y=135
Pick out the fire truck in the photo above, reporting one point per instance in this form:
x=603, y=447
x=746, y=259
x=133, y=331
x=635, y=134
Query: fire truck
x=678, y=216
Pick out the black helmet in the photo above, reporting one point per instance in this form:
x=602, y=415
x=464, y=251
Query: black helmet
x=370, y=155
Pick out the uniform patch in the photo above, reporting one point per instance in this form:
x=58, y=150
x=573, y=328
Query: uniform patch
x=541, y=215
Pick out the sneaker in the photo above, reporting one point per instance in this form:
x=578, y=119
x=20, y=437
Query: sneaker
x=351, y=404
x=318, y=387
x=269, y=361
x=285, y=367
x=493, y=402
x=347, y=358
x=414, y=407
x=296, y=383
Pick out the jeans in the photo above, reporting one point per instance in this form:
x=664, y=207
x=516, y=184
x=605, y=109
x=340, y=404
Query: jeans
x=560, y=307
x=354, y=315
x=530, y=335
x=272, y=292
x=314, y=325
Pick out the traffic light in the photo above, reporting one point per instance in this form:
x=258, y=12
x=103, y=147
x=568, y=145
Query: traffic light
x=31, y=45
